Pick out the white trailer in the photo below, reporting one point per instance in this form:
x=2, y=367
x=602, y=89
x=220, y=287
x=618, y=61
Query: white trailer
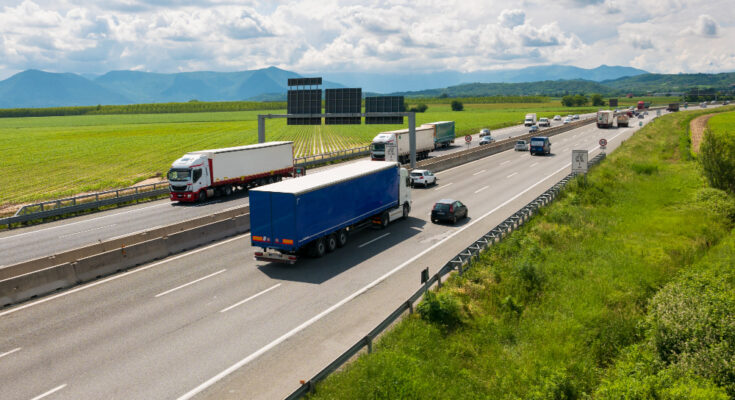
x=424, y=144
x=530, y=119
x=202, y=174
x=605, y=118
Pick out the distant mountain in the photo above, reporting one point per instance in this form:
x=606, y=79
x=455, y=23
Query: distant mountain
x=389, y=83
x=33, y=88
x=543, y=88
x=672, y=82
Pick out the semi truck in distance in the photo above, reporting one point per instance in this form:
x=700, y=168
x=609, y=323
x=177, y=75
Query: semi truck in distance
x=199, y=175
x=530, y=119
x=443, y=133
x=623, y=119
x=673, y=107
x=424, y=143
x=315, y=214
x=605, y=118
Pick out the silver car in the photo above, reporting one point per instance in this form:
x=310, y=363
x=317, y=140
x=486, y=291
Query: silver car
x=521, y=145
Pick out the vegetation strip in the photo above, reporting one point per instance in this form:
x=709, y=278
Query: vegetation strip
x=572, y=304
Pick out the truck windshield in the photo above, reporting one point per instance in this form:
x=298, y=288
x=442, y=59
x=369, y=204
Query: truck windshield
x=378, y=146
x=179, y=175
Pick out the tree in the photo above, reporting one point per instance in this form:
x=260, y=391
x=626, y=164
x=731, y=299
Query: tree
x=597, y=100
x=457, y=105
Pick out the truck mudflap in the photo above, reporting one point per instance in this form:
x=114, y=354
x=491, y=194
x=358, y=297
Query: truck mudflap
x=274, y=256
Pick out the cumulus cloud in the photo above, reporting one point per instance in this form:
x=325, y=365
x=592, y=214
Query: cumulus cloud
x=707, y=26
x=511, y=18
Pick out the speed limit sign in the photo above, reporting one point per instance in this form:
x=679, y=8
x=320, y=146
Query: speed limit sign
x=603, y=142
x=468, y=138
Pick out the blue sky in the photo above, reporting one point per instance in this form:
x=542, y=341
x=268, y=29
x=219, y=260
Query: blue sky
x=319, y=36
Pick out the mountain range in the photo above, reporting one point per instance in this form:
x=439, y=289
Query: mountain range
x=35, y=89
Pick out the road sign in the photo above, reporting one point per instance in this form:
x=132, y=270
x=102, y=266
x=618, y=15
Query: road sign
x=468, y=138
x=579, y=161
x=391, y=151
x=603, y=142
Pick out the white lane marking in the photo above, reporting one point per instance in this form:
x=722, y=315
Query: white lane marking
x=7, y=353
x=50, y=392
x=190, y=283
x=250, y=298
x=479, y=172
x=377, y=238
x=534, y=164
x=444, y=186
x=512, y=175
x=85, y=231
x=190, y=394
x=504, y=162
x=481, y=189
x=86, y=220
x=122, y=275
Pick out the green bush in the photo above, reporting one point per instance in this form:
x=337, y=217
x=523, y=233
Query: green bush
x=443, y=309
x=644, y=168
x=457, y=105
x=718, y=201
x=718, y=159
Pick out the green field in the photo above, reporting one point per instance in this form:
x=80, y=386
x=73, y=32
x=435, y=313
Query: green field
x=53, y=157
x=571, y=305
x=724, y=122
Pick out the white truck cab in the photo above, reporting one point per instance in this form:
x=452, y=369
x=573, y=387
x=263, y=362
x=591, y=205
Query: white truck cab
x=189, y=175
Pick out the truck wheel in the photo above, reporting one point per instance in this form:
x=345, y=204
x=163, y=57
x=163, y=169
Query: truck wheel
x=202, y=196
x=228, y=190
x=318, y=248
x=406, y=210
x=341, y=238
x=331, y=243
x=384, y=220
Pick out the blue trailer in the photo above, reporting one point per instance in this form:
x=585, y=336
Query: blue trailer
x=314, y=214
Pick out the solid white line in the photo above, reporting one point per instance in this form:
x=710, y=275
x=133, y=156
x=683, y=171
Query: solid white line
x=377, y=238
x=250, y=298
x=504, y=162
x=479, y=172
x=513, y=174
x=122, y=275
x=86, y=220
x=9, y=352
x=445, y=185
x=52, y=391
x=190, y=283
x=85, y=231
x=481, y=189
x=534, y=164
x=347, y=299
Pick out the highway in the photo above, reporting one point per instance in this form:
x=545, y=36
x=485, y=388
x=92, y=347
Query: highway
x=23, y=244
x=214, y=323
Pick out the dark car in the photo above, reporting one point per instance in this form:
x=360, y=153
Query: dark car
x=448, y=210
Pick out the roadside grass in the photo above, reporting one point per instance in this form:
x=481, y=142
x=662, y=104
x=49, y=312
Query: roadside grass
x=53, y=157
x=723, y=122
x=546, y=312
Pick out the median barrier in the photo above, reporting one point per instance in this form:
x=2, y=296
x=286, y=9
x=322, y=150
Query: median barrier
x=110, y=262
x=38, y=283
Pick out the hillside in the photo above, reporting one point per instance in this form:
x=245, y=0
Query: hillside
x=544, y=88
x=34, y=88
x=671, y=82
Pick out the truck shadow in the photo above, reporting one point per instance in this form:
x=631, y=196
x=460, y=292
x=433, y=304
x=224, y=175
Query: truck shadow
x=358, y=250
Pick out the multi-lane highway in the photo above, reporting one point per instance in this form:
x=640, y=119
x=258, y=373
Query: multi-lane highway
x=216, y=324
x=48, y=239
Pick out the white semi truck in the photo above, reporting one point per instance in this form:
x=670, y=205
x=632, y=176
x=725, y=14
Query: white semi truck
x=202, y=174
x=530, y=119
x=424, y=143
x=605, y=118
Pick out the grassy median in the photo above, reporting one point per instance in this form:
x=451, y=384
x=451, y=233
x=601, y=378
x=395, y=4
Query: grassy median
x=566, y=307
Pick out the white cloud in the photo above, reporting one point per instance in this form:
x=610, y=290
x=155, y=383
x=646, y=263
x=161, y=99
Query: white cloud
x=511, y=18
x=707, y=26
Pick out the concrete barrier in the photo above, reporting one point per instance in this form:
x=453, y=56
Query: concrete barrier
x=38, y=283
x=110, y=262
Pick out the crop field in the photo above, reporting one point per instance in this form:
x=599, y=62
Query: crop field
x=53, y=157
x=723, y=122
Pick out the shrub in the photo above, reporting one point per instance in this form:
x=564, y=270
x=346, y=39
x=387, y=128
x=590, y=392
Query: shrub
x=419, y=108
x=457, y=105
x=597, y=100
x=443, y=309
x=718, y=201
x=644, y=168
x=718, y=159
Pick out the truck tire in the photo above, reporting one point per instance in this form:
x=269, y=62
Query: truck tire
x=331, y=243
x=228, y=190
x=341, y=238
x=202, y=196
x=384, y=220
x=318, y=248
x=406, y=210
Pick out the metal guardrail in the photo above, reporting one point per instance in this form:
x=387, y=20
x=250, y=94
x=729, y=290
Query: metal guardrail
x=332, y=156
x=53, y=208
x=458, y=263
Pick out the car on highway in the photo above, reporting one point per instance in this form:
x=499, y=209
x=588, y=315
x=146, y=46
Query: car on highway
x=544, y=122
x=641, y=116
x=575, y=116
x=726, y=102
x=448, y=210
x=422, y=177
x=567, y=120
x=521, y=145
x=557, y=117
x=486, y=140
x=484, y=132
x=533, y=128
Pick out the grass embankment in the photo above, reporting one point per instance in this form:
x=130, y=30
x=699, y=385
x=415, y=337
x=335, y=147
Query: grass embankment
x=572, y=305
x=53, y=157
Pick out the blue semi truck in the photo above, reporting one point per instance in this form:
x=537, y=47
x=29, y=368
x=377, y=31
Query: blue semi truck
x=314, y=214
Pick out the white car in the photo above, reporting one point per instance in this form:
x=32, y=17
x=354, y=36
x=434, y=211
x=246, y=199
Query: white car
x=544, y=122
x=521, y=145
x=484, y=132
x=567, y=120
x=422, y=177
x=557, y=117
x=575, y=116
